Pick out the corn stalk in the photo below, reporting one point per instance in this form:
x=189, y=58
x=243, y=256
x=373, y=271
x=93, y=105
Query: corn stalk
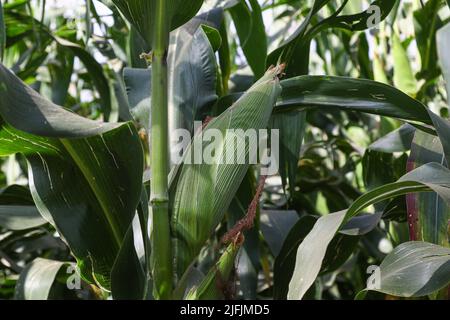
x=161, y=268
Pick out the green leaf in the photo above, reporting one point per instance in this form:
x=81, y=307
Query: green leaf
x=38, y=278
x=140, y=13
x=95, y=72
x=414, y=269
x=275, y=226
x=17, y=209
x=306, y=92
x=128, y=280
x=443, y=43
x=396, y=141
x=285, y=261
x=213, y=36
x=324, y=92
x=292, y=126
x=214, y=185
x=311, y=252
x=404, y=78
x=89, y=169
x=191, y=83
x=426, y=23
x=252, y=35
x=428, y=214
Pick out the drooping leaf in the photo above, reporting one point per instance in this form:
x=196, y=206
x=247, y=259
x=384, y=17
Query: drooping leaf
x=85, y=176
x=311, y=252
x=38, y=278
x=413, y=269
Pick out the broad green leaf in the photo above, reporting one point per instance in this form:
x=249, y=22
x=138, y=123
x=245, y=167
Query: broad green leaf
x=38, y=278
x=140, y=13
x=443, y=43
x=324, y=92
x=404, y=78
x=413, y=269
x=428, y=214
x=128, y=280
x=204, y=191
x=17, y=209
x=85, y=176
x=306, y=92
x=311, y=252
x=252, y=35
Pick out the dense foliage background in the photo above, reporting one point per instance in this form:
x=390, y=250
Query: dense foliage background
x=86, y=56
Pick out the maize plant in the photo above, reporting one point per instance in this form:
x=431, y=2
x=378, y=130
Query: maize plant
x=347, y=195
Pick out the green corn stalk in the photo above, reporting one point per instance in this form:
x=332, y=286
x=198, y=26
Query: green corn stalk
x=202, y=192
x=161, y=259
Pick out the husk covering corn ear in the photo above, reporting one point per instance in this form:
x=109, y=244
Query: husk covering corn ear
x=203, y=191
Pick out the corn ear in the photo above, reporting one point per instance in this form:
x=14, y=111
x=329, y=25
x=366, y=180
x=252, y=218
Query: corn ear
x=203, y=191
x=214, y=283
